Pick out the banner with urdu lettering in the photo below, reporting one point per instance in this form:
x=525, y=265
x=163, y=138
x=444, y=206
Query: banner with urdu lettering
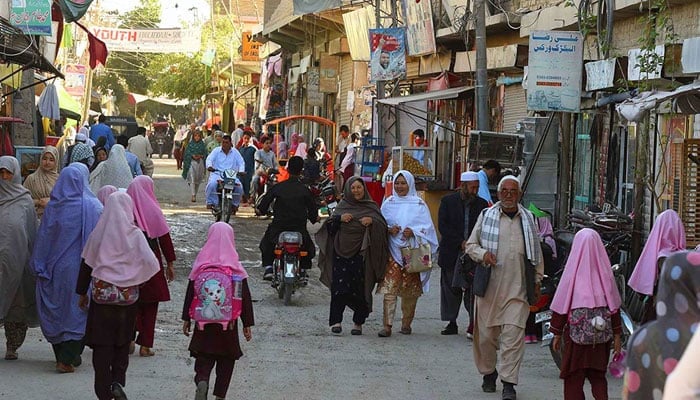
x=555, y=69
x=150, y=40
x=33, y=17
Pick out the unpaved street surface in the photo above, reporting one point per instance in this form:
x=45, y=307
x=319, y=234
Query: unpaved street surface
x=292, y=354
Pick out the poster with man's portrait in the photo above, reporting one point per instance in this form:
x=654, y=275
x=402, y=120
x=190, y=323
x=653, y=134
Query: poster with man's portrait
x=388, y=53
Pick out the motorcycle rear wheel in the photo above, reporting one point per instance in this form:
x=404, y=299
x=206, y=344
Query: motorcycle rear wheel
x=280, y=290
x=287, y=294
x=556, y=355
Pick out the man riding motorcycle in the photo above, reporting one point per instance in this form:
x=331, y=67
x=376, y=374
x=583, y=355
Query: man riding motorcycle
x=293, y=205
x=264, y=161
x=223, y=158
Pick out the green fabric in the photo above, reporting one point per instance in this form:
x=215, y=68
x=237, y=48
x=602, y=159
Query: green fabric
x=192, y=149
x=67, y=101
x=536, y=211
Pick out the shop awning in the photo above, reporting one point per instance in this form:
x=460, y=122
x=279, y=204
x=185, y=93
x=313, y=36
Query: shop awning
x=686, y=100
x=444, y=94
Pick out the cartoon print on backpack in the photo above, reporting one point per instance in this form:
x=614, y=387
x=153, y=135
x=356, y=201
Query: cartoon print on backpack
x=218, y=299
x=214, y=296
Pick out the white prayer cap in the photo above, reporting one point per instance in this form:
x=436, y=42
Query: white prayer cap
x=509, y=178
x=469, y=176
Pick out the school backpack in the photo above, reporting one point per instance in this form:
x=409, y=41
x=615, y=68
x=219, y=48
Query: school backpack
x=217, y=297
x=590, y=325
x=104, y=292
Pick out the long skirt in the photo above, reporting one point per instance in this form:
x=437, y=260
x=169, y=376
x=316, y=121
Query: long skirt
x=197, y=171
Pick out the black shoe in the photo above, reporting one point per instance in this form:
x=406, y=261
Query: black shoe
x=508, y=391
x=267, y=276
x=303, y=277
x=77, y=362
x=336, y=330
x=450, y=329
x=118, y=391
x=489, y=384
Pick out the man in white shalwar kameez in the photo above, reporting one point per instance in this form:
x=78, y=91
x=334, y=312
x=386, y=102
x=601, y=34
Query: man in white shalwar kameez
x=505, y=240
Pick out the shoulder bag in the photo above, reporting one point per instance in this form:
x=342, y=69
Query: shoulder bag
x=482, y=275
x=417, y=259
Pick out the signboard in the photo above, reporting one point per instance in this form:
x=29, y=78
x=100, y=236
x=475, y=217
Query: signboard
x=420, y=35
x=600, y=74
x=313, y=91
x=328, y=76
x=149, y=40
x=554, y=71
x=33, y=17
x=302, y=7
x=387, y=53
x=251, y=48
x=75, y=79
x=633, y=71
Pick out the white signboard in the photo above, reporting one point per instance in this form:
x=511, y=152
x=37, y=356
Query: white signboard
x=150, y=40
x=554, y=72
x=420, y=34
x=633, y=65
x=600, y=74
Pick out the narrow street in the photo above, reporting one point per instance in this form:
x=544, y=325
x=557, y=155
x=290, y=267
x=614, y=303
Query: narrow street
x=292, y=354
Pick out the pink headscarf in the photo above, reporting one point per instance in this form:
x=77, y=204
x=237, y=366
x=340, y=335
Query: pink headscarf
x=546, y=232
x=147, y=211
x=116, y=250
x=219, y=249
x=588, y=281
x=666, y=236
x=104, y=193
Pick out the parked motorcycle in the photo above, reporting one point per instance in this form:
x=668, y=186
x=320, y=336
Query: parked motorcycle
x=287, y=276
x=325, y=194
x=229, y=199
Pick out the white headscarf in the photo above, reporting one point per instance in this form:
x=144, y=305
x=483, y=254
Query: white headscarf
x=409, y=211
x=113, y=171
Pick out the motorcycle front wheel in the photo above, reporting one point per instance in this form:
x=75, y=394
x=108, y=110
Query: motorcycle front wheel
x=225, y=208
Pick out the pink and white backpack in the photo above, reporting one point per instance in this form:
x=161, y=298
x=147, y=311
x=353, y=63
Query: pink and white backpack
x=217, y=297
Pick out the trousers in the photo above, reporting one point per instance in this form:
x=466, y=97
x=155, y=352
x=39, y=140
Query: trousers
x=110, y=364
x=204, y=364
x=573, y=384
x=355, y=303
x=408, y=309
x=146, y=314
x=512, y=349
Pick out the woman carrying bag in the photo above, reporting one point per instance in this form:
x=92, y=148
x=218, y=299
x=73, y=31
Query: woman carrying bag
x=409, y=226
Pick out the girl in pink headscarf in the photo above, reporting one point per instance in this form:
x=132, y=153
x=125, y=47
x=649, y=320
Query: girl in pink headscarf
x=116, y=252
x=152, y=222
x=214, y=346
x=587, y=284
x=667, y=236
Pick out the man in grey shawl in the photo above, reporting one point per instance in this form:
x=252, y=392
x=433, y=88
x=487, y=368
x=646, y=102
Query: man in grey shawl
x=353, y=252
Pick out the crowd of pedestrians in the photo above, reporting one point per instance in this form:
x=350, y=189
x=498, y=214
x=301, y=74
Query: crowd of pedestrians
x=87, y=225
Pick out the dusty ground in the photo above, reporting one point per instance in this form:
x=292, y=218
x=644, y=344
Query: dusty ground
x=292, y=354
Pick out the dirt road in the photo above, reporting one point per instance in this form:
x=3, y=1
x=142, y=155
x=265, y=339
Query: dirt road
x=292, y=354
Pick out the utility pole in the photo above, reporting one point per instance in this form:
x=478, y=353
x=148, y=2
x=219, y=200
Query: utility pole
x=482, y=83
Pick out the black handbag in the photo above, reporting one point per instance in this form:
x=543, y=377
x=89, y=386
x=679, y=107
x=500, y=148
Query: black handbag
x=482, y=275
x=464, y=272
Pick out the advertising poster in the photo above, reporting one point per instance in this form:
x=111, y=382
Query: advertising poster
x=554, y=71
x=388, y=53
x=251, y=48
x=33, y=17
x=314, y=96
x=420, y=35
x=75, y=80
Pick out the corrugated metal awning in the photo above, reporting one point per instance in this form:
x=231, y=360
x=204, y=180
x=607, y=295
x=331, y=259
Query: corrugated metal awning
x=18, y=48
x=450, y=93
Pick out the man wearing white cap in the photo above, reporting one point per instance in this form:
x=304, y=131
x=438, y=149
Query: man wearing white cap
x=505, y=240
x=456, y=218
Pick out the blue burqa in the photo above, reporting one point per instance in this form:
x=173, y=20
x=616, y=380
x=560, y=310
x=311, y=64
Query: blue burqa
x=68, y=220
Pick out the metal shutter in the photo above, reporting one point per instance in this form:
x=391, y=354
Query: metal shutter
x=514, y=107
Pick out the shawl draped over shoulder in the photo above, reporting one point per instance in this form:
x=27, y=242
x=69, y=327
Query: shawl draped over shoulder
x=353, y=238
x=16, y=241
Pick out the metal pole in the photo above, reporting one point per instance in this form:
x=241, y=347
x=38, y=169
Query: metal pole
x=482, y=84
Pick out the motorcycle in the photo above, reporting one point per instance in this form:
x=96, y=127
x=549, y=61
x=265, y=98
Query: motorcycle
x=266, y=182
x=229, y=199
x=287, y=273
x=325, y=194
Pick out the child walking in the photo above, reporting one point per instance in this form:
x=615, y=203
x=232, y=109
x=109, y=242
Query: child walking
x=586, y=312
x=217, y=295
x=116, y=260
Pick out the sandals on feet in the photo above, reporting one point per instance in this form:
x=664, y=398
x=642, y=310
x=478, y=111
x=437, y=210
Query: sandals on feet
x=384, y=332
x=11, y=355
x=146, y=352
x=356, y=331
x=406, y=330
x=336, y=329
